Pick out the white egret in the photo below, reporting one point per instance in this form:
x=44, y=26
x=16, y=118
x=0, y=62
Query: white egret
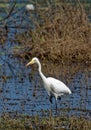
x=54, y=87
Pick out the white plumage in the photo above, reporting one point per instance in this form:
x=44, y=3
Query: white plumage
x=54, y=87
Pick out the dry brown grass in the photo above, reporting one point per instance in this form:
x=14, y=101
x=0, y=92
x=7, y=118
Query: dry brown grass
x=3, y=36
x=48, y=123
x=64, y=35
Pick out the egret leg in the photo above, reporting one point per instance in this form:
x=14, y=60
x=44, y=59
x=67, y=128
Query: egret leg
x=56, y=107
x=50, y=99
x=59, y=98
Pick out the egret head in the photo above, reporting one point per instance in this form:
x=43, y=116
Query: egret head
x=34, y=60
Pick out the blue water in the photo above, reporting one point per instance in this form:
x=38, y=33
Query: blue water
x=22, y=94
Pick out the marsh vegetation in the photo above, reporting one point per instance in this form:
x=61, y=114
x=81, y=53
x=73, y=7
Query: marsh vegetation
x=36, y=123
x=60, y=36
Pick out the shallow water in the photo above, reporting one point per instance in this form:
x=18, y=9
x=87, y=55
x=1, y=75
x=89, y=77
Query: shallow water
x=22, y=93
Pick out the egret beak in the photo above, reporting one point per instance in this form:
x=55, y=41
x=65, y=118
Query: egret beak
x=30, y=63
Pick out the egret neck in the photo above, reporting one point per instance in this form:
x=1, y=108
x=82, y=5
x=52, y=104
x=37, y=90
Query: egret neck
x=40, y=72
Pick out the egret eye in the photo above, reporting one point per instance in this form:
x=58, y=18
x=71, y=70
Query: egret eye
x=34, y=60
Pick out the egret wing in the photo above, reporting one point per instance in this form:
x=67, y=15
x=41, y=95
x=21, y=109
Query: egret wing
x=57, y=86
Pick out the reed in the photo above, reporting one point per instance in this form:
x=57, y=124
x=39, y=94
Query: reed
x=62, y=34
